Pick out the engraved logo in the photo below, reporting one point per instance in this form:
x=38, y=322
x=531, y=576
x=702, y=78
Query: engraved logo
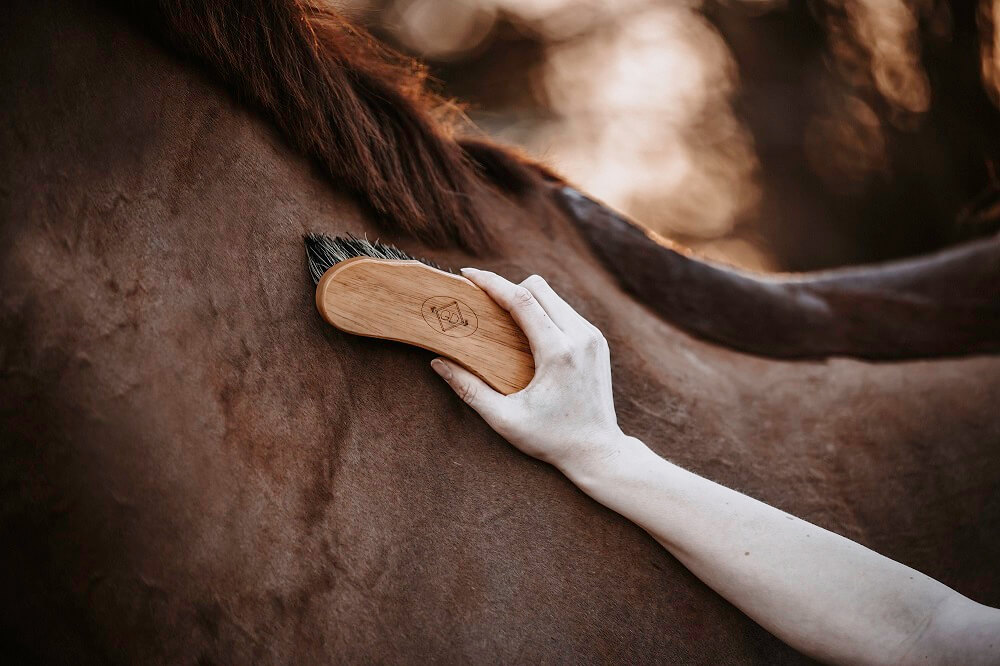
x=449, y=316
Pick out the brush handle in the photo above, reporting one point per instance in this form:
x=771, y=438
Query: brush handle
x=413, y=303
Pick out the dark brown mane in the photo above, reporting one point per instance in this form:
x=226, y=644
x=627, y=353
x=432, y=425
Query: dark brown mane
x=363, y=112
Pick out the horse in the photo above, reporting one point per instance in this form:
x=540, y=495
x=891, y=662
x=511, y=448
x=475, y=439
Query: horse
x=195, y=467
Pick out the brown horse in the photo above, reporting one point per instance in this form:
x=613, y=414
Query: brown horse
x=196, y=467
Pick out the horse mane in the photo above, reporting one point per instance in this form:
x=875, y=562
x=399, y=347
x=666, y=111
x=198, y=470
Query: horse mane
x=363, y=112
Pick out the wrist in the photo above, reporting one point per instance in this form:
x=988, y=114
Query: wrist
x=617, y=455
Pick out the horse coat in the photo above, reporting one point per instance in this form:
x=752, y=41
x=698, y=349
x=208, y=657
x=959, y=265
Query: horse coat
x=195, y=467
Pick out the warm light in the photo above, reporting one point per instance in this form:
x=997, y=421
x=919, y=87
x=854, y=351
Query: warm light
x=640, y=98
x=646, y=122
x=887, y=29
x=990, y=49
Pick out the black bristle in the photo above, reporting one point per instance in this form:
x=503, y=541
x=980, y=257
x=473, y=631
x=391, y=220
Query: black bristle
x=322, y=252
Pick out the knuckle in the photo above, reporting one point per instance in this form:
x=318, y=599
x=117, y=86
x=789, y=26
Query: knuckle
x=595, y=341
x=521, y=297
x=563, y=355
x=467, y=392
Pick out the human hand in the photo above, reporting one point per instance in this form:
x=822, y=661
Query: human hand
x=566, y=415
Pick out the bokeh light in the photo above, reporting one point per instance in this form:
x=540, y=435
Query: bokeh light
x=642, y=102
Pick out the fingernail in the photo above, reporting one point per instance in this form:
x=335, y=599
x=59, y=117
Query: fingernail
x=468, y=270
x=441, y=368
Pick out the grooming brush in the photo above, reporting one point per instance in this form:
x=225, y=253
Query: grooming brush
x=379, y=291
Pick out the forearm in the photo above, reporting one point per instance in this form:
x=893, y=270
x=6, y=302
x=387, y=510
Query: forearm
x=821, y=593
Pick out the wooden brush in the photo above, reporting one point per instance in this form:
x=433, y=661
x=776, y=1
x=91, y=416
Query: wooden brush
x=379, y=291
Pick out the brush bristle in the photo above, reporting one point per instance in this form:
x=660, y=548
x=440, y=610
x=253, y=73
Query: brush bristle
x=322, y=252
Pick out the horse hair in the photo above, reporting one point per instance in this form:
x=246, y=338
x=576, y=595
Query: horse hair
x=362, y=111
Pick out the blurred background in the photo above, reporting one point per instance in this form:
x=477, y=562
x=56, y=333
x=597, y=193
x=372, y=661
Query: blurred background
x=769, y=134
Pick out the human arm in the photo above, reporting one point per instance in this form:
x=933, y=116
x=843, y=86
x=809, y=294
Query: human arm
x=821, y=593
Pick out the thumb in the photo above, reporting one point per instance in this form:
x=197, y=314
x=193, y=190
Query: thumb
x=471, y=389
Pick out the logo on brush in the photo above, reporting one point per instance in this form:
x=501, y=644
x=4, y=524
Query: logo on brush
x=449, y=316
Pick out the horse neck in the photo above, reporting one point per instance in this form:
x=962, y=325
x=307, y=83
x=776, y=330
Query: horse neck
x=936, y=305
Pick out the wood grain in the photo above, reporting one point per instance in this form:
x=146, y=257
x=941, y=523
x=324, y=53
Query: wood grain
x=413, y=303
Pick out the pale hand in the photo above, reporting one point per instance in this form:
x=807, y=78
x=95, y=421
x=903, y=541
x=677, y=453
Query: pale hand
x=566, y=415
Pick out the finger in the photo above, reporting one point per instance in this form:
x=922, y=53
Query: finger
x=538, y=327
x=562, y=313
x=471, y=389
